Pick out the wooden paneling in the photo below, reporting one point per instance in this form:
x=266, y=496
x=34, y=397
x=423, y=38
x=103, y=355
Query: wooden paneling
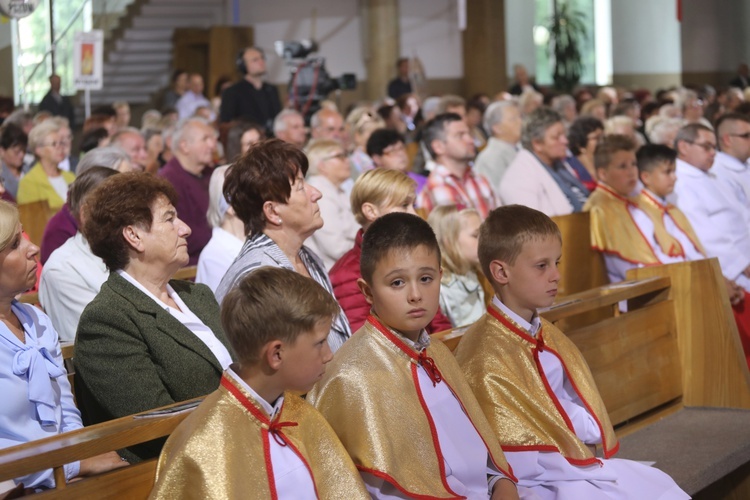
x=715, y=371
x=581, y=268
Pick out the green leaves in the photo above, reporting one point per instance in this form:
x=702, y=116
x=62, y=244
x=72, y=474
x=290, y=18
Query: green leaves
x=567, y=29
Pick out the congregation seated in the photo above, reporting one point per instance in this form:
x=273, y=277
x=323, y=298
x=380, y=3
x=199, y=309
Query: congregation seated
x=584, y=134
x=37, y=398
x=502, y=120
x=329, y=170
x=64, y=225
x=452, y=180
x=46, y=181
x=145, y=340
x=537, y=177
x=13, y=142
x=189, y=172
x=268, y=192
x=388, y=150
x=73, y=275
x=227, y=237
x=267, y=437
x=376, y=193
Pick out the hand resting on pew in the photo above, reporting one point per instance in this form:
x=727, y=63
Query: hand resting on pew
x=101, y=463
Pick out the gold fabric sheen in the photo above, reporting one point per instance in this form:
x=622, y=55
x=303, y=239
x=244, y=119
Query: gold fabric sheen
x=498, y=358
x=656, y=212
x=613, y=229
x=369, y=396
x=218, y=451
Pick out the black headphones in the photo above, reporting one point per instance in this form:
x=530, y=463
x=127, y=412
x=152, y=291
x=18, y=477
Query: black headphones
x=240, y=62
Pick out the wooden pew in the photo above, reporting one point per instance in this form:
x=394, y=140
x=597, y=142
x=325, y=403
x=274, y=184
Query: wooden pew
x=581, y=268
x=187, y=273
x=133, y=482
x=671, y=372
x=34, y=217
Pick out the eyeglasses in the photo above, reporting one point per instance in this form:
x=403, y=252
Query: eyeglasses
x=706, y=146
x=745, y=136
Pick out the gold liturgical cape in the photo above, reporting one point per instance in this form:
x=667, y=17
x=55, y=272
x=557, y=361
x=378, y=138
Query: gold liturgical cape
x=222, y=450
x=656, y=211
x=500, y=361
x=370, y=395
x=613, y=229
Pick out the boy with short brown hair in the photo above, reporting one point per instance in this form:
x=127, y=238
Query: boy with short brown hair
x=252, y=437
x=532, y=381
x=399, y=402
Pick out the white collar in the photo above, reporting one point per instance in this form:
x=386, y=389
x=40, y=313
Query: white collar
x=532, y=328
x=271, y=410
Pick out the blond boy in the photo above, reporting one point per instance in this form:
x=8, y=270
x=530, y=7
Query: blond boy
x=252, y=438
x=533, y=383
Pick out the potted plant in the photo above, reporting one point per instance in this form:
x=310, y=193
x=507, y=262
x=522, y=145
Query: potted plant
x=567, y=30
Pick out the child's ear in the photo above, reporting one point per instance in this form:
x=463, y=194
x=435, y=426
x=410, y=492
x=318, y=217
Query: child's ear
x=365, y=289
x=273, y=352
x=601, y=174
x=644, y=177
x=499, y=272
x=370, y=211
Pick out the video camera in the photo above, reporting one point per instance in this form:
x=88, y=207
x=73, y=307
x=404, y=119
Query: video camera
x=310, y=83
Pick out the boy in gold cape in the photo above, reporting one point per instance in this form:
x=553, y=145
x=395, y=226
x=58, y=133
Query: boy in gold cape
x=399, y=402
x=252, y=438
x=533, y=383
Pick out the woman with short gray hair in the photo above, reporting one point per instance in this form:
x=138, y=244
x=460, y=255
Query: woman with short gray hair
x=538, y=177
x=109, y=156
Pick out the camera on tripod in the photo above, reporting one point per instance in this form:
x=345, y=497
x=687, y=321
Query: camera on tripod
x=310, y=82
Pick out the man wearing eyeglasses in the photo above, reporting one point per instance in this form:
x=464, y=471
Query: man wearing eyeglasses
x=721, y=222
x=730, y=164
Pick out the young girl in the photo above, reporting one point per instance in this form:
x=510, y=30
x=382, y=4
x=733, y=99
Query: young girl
x=461, y=294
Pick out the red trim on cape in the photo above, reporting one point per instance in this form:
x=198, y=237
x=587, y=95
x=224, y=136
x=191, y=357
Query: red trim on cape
x=627, y=202
x=255, y=412
x=433, y=430
x=665, y=209
x=386, y=477
x=395, y=340
x=607, y=453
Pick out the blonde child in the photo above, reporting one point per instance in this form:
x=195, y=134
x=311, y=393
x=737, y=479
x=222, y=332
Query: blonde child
x=533, y=383
x=457, y=232
x=376, y=193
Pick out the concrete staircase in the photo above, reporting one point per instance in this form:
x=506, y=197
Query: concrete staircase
x=138, y=52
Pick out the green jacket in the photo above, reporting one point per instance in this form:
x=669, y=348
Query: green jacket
x=131, y=355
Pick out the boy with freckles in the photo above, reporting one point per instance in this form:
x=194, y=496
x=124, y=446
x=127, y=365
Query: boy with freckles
x=533, y=383
x=397, y=401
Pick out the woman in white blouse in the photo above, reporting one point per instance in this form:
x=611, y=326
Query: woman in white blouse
x=329, y=169
x=227, y=237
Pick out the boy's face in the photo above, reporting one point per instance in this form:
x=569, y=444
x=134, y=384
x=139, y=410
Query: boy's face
x=305, y=359
x=531, y=281
x=621, y=174
x=661, y=179
x=405, y=289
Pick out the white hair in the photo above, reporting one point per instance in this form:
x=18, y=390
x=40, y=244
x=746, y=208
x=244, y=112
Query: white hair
x=279, y=123
x=495, y=113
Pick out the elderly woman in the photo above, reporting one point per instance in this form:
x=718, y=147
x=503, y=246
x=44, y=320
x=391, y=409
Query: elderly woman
x=45, y=181
x=583, y=136
x=329, y=169
x=268, y=192
x=146, y=340
x=37, y=402
x=537, y=177
x=227, y=237
x=63, y=225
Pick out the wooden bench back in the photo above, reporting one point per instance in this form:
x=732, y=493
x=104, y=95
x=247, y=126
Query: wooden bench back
x=133, y=482
x=34, y=217
x=581, y=268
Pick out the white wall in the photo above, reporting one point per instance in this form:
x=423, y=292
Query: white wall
x=519, y=35
x=645, y=37
x=429, y=29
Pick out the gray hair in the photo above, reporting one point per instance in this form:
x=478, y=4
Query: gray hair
x=279, y=123
x=181, y=128
x=662, y=129
x=536, y=124
x=495, y=114
x=40, y=132
x=559, y=103
x=20, y=117
x=115, y=140
x=430, y=107
x=109, y=156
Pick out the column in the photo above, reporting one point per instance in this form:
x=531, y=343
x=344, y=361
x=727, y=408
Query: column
x=484, y=47
x=380, y=26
